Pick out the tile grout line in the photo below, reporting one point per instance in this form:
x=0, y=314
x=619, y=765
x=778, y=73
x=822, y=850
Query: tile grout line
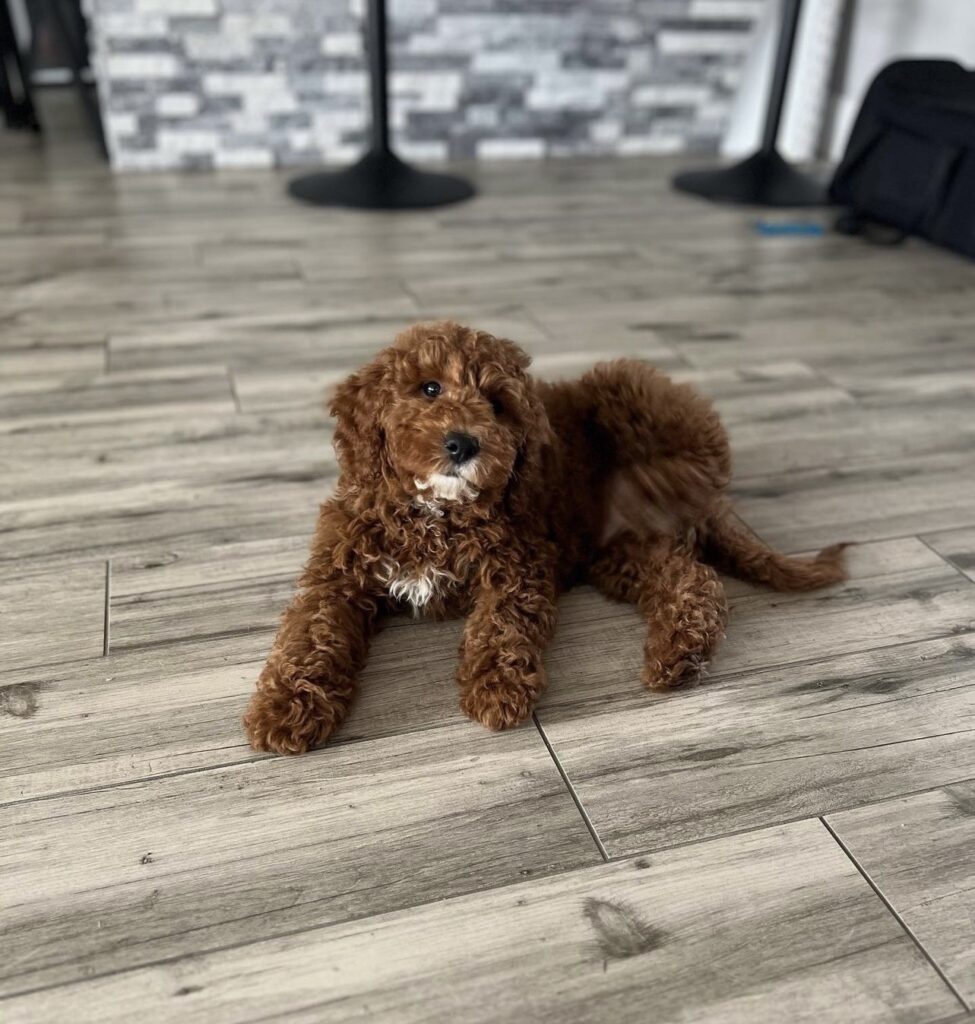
x=231, y=380
x=411, y=295
x=897, y=917
x=584, y=814
x=745, y=830
x=944, y=558
x=532, y=317
x=107, y=611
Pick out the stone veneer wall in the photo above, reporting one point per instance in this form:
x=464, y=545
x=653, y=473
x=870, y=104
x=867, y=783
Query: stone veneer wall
x=256, y=83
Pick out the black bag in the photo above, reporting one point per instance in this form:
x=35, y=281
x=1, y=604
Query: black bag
x=910, y=161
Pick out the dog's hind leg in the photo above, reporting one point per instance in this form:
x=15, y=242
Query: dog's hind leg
x=682, y=600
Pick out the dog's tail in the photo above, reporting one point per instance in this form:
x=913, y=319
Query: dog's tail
x=664, y=441
x=730, y=547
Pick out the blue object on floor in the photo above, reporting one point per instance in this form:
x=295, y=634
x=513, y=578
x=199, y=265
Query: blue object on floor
x=789, y=227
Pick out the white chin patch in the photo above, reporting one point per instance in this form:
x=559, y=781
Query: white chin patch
x=447, y=488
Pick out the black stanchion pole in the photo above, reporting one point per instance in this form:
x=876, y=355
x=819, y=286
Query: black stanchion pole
x=380, y=180
x=16, y=100
x=378, y=51
x=765, y=178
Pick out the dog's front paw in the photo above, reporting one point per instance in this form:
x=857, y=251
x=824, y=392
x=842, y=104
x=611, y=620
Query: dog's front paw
x=500, y=700
x=289, y=721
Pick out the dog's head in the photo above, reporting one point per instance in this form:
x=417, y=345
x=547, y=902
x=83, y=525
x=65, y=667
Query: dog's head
x=446, y=414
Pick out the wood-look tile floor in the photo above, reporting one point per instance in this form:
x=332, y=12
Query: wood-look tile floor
x=793, y=841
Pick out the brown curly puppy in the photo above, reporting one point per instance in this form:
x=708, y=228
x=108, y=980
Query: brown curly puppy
x=467, y=487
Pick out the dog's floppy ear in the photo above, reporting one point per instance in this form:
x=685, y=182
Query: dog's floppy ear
x=512, y=352
x=532, y=472
x=358, y=436
x=533, y=466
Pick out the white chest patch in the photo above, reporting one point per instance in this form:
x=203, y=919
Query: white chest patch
x=417, y=587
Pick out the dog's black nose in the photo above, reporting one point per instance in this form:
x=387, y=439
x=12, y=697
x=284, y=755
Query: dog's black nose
x=460, y=447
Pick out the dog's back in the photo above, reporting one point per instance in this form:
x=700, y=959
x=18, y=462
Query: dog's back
x=649, y=456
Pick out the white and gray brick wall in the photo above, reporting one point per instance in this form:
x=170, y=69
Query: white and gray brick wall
x=259, y=83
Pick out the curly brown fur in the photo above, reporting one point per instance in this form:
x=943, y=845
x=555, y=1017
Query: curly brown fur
x=681, y=598
x=617, y=478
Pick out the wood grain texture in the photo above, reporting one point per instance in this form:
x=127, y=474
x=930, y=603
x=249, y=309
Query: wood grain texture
x=189, y=628
x=181, y=566
x=244, y=499
x=107, y=721
x=815, y=703
x=93, y=458
x=860, y=436
x=312, y=338
x=34, y=357
x=165, y=342
x=766, y=393
x=175, y=707
x=314, y=361
x=889, y=498
x=918, y=851
x=776, y=925
x=246, y=609
x=51, y=615
x=117, y=397
x=204, y=860
x=857, y=349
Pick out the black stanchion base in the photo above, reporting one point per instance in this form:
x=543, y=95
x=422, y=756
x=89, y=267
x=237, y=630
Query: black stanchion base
x=22, y=116
x=380, y=181
x=763, y=179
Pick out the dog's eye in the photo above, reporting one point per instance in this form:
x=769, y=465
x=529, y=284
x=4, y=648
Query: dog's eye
x=497, y=406
x=431, y=388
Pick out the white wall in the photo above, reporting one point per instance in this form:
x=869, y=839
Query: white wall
x=884, y=30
